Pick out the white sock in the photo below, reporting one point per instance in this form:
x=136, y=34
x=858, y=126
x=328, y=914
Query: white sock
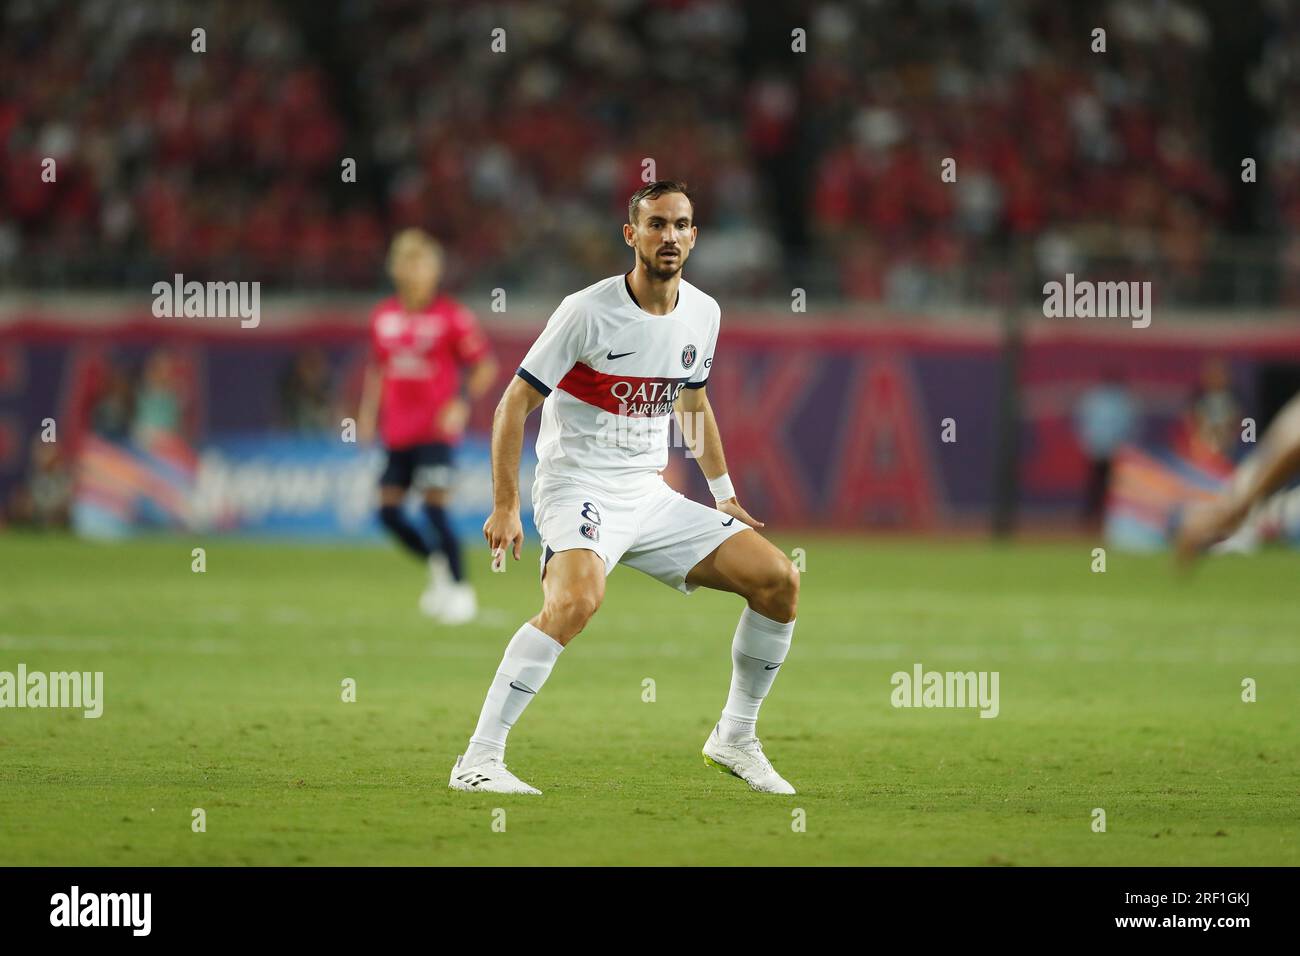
x=527, y=663
x=757, y=652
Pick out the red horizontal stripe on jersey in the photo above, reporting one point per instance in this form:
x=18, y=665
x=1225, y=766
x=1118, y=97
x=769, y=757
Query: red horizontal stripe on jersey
x=629, y=395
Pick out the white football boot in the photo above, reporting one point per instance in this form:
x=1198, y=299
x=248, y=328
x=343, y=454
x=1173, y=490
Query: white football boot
x=490, y=776
x=746, y=760
x=459, y=604
x=435, y=594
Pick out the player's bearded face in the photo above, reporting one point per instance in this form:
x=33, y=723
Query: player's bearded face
x=661, y=266
x=664, y=235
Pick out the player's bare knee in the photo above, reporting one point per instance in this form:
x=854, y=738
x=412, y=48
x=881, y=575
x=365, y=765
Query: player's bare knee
x=581, y=606
x=565, y=615
x=778, y=595
x=787, y=589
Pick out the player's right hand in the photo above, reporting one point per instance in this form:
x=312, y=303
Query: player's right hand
x=503, y=529
x=731, y=506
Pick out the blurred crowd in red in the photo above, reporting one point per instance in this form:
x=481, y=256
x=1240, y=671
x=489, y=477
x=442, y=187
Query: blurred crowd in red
x=820, y=167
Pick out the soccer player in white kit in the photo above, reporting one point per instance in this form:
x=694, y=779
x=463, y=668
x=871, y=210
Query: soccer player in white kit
x=613, y=363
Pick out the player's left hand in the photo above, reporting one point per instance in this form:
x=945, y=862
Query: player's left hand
x=454, y=416
x=732, y=507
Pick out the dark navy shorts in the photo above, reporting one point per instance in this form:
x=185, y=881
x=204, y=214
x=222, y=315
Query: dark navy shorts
x=423, y=467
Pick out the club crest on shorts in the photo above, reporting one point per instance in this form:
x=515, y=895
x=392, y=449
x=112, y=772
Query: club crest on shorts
x=590, y=531
x=688, y=356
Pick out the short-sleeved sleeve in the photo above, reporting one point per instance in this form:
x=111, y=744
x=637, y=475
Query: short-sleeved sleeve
x=561, y=344
x=468, y=340
x=702, y=368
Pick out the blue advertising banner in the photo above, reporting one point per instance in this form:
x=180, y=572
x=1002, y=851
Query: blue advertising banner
x=265, y=485
x=831, y=425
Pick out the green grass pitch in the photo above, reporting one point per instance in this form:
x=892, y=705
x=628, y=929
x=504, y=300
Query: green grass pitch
x=1119, y=691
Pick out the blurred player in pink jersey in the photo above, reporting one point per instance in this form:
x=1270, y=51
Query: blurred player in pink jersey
x=422, y=340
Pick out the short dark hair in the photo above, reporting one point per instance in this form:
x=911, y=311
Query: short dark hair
x=653, y=191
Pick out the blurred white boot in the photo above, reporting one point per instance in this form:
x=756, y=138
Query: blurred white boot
x=440, y=583
x=459, y=604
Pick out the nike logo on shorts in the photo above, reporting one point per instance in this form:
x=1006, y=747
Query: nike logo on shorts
x=727, y=523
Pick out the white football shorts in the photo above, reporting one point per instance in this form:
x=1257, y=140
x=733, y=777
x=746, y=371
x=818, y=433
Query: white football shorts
x=652, y=528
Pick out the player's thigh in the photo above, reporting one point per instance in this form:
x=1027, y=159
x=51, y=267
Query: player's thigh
x=747, y=564
x=584, y=534
x=578, y=571
x=573, y=587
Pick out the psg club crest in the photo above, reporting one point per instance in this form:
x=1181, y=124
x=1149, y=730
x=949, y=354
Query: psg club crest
x=590, y=531
x=688, y=356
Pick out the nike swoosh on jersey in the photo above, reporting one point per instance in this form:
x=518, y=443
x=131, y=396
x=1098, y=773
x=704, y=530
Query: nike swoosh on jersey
x=611, y=355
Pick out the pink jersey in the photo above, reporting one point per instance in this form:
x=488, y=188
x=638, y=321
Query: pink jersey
x=420, y=355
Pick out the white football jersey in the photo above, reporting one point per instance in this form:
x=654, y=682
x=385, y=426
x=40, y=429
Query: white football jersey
x=611, y=372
